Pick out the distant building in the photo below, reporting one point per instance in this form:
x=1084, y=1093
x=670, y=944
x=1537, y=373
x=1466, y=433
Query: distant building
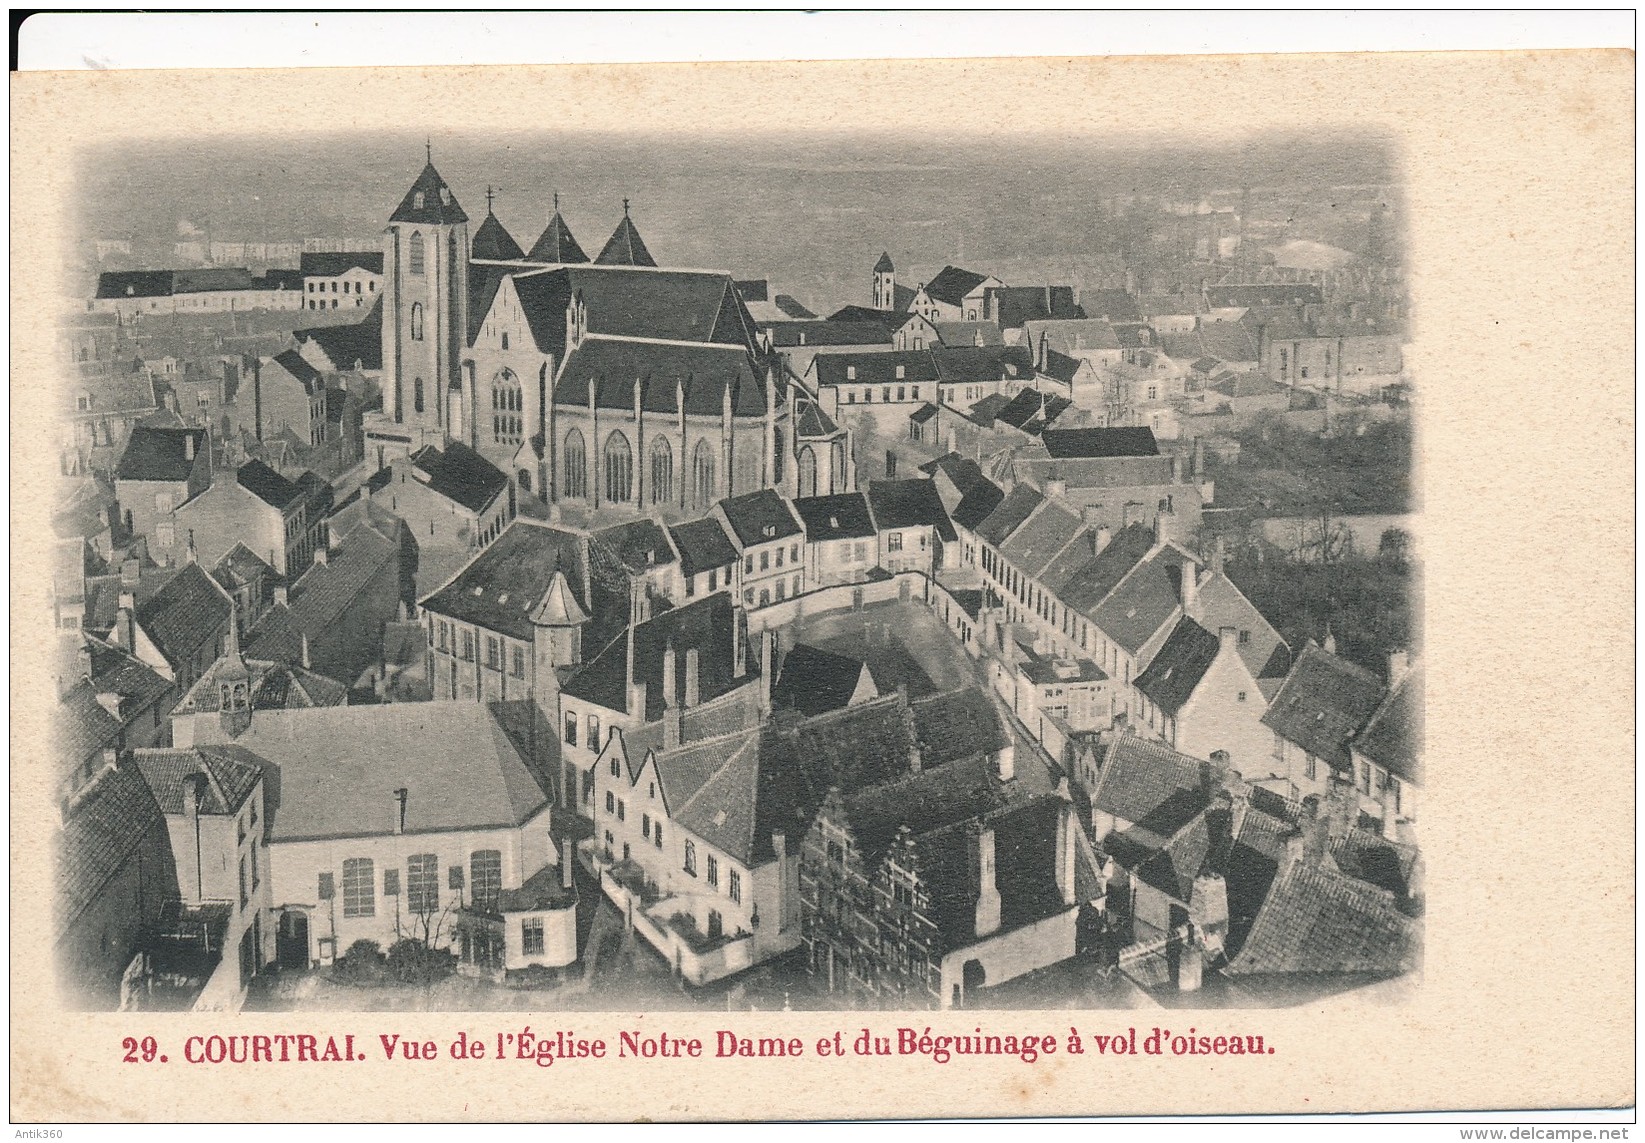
x=842, y=543
x=769, y=538
x=135, y=294
x=454, y=503
x=341, y=280
x=160, y=470
x=255, y=506
x=954, y=295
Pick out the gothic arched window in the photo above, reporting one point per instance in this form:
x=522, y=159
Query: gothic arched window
x=777, y=455
x=808, y=472
x=507, y=401
x=416, y=321
x=619, y=469
x=576, y=466
x=417, y=394
x=662, y=471
x=703, y=484
x=416, y=252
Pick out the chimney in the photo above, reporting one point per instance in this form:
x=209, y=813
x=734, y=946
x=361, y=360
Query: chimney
x=693, y=683
x=1199, y=458
x=1330, y=644
x=188, y=446
x=130, y=572
x=1005, y=759
x=1056, y=489
x=1190, y=957
x=1313, y=835
x=192, y=554
x=1399, y=665
x=82, y=662
x=280, y=599
x=321, y=556
x=673, y=716
x=768, y=668
x=401, y=795
x=1219, y=555
x=567, y=856
x=125, y=622
x=739, y=640
x=1066, y=855
x=988, y=890
x=191, y=793
x=1228, y=637
x=1213, y=773
x=671, y=679
x=1104, y=537
x=1390, y=815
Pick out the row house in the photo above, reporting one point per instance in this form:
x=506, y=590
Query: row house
x=768, y=538
x=708, y=558
x=841, y=540
x=254, y=506
x=345, y=280
x=914, y=531
x=954, y=294
x=160, y=470
x=454, y=503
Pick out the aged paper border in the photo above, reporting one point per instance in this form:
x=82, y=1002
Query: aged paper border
x=1519, y=170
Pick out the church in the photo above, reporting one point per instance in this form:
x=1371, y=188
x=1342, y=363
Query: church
x=609, y=385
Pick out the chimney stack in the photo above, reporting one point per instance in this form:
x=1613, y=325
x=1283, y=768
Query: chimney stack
x=1219, y=555
x=191, y=794
x=188, y=446
x=125, y=622
x=280, y=596
x=567, y=856
x=131, y=571
x=988, y=890
x=401, y=796
x=1228, y=637
x=768, y=668
x=693, y=681
x=739, y=641
x=1104, y=537
x=779, y=847
x=321, y=556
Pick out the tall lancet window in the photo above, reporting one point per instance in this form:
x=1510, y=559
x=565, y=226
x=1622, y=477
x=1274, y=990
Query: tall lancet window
x=576, y=466
x=416, y=253
x=662, y=471
x=619, y=469
x=702, y=475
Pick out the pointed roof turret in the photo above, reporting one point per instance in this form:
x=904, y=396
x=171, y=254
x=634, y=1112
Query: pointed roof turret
x=625, y=247
x=429, y=201
x=492, y=242
x=232, y=664
x=556, y=243
x=559, y=607
x=884, y=266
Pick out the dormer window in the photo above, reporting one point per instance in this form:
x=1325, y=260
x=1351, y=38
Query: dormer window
x=850, y=372
x=417, y=201
x=901, y=372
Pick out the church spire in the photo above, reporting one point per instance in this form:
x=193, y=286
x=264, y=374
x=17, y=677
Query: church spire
x=625, y=247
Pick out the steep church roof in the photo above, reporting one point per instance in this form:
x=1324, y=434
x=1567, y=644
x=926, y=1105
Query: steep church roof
x=625, y=247
x=495, y=244
x=884, y=266
x=429, y=201
x=557, y=244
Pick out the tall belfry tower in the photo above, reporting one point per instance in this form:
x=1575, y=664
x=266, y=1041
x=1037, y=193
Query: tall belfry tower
x=425, y=306
x=885, y=284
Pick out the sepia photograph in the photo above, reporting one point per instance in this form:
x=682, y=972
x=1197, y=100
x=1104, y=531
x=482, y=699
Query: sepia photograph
x=638, y=572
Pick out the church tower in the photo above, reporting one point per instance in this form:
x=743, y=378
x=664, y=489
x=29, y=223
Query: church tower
x=425, y=306
x=885, y=283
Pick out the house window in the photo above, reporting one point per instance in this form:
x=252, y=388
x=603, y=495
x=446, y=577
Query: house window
x=423, y=883
x=645, y=826
x=571, y=728
x=485, y=868
x=494, y=653
x=714, y=871
x=734, y=886
x=244, y=898
x=713, y=580
x=359, y=887
x=505, y=341
x=468, y=646
x=748, y=565
x=893, y=542
x=690, y=585
x=1245, y=636
x=416, y=321
x=622, y=811
x=765, y=561
x=1310, y=768
x=531, y=936
x=417, y=394
x=779, y=557
x=610, y=802
x=691, y=858
x=594, y=734
x=454, y=877
x=518, y=663
x=657, y=835
x=616, y=768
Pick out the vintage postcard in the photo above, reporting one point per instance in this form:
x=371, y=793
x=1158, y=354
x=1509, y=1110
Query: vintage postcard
x=896, y=589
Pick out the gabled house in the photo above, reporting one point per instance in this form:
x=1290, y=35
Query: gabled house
x=160, y=469
x=915, y=533
x=454, y=503
x=708, y=558
x=768, y=537
x=841, y=543
x=954, y=295
x=180, y=629
x=1323, y=705
x=1198, y=695
x=253, y=506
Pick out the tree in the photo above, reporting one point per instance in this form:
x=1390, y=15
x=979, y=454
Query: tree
x=1394, y=548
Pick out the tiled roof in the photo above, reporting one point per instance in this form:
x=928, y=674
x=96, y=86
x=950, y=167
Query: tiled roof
x=1143, y=602
x=438, y=205
x=923, y=414
x=907, y=504
x=1393, y=739
x=1264, y=294
x=977, y=504
x=274, y=686
x=1179, y=666
x=812, y=421
x=973, y=364
x=460, y=474
x=892, y=320
x=1319, y=921
x=1016, y=305
x=1045, y=534
x=134, y=284
x=884, y=266
x=671, y=305
x=339, y=767
x=101, y=833
x=346, y=346
x=707, y=625
x=704, y=371
x=759, y=517
x=184, y=614
x=841, y=516
x=1061, y=366
x=493, y=243
x=1075, y=338
x=1324, y=702
x=544, y=889
x=973, y=333
x=1148, y=783
x=952, y=284
x=956, y=724
x=335, y=264
x=1032, y=410
x=322, y=596
x=925, y=800
x=1016, y=507
x=1085, y=443
x=161, y=454
x=702, y=545
x=879, y=368
x=267, y=485
x=110, y=393
x=983, y=412
x=1248, y=385
x=83, y=726
x=814, y=681
x=501, y=587
x=635, y=546
x=231, y=774
x=1375, y=859
x=797, y=334
x=1114, y=305
x=624, y=247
